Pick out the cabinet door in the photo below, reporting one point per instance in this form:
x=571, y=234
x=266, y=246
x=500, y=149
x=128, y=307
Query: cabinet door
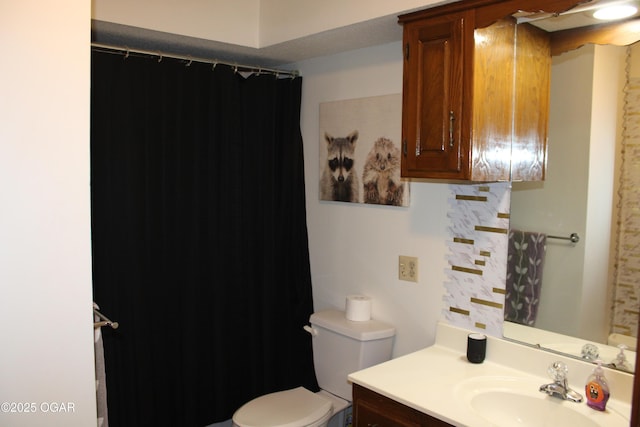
x=371, y=409
x=371, y=416
x=435, y=143
x=531, y=120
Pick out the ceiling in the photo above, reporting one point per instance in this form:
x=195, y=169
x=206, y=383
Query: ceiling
x=370, y=33
x=579, y=16
x=365, y=34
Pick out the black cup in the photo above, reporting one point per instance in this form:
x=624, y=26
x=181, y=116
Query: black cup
x=476, y=347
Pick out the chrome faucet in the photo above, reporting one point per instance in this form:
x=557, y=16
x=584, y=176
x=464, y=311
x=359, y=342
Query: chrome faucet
x=559, y=387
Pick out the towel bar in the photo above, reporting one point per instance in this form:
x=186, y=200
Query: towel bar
x=573, y=237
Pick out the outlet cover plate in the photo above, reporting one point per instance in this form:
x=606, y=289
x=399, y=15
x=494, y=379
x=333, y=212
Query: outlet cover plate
x=408, y=268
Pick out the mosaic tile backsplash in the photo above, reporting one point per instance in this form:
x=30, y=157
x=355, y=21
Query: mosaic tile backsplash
x=476, y=276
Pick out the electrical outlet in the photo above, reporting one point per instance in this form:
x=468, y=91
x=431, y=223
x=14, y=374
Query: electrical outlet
x=408, y=268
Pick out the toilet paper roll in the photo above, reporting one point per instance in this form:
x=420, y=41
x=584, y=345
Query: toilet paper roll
x=358, y=308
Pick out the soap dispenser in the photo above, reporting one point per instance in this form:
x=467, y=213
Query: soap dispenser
x=621, y=359
x=597, y=389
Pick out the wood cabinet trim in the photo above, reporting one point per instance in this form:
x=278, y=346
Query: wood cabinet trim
x=619, y=34
x=489, y=11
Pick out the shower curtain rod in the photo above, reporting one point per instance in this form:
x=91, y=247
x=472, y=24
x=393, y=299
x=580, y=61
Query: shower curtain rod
x=125, y=51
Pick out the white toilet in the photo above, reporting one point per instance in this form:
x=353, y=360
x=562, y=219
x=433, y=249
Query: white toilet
x=340, y=347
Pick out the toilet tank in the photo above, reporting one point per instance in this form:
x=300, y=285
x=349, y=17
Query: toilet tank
x=341, y=347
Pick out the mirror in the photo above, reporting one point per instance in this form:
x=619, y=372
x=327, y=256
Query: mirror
x=579, y=195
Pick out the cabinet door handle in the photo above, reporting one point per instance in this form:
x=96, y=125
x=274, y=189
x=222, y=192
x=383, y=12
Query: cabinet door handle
x=452, y=118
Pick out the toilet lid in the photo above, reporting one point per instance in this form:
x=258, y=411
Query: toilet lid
x=289, y=408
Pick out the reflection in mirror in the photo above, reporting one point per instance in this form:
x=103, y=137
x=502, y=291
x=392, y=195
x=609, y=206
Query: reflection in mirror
x=581, y=194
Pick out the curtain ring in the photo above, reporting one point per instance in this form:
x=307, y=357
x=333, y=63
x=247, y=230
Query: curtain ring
x=189, y=63
x=235, y=69
x=126, y=54
x=213, y=67
x=159, y=58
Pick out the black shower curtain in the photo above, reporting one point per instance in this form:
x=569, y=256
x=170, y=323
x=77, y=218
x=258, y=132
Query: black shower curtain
x=199, y=234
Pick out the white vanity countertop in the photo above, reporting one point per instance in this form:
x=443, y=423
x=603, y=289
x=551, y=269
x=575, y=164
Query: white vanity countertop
x=430, y=380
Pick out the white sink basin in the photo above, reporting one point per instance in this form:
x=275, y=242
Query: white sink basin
x=511, y=401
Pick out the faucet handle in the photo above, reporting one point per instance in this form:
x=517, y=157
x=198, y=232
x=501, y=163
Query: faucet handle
x=590, y=352
x=558, y=371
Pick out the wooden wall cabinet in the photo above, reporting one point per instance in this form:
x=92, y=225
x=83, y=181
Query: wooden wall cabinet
x=372, y=409
x=476, y=92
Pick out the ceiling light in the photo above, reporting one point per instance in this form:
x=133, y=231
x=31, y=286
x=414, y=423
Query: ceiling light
x=615, y=12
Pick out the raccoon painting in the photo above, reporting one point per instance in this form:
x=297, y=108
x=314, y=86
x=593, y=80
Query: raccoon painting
x=381, y=174
x=339, y=181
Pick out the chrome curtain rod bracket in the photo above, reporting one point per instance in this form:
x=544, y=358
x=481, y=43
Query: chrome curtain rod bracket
x=104, y=322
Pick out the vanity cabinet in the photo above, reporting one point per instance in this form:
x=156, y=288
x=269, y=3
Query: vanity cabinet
x=372, y=409
x=475, y=92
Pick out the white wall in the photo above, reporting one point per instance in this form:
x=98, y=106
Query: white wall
x=354, y=248
x=235, y=22
x=547, y=207
x=577, y=194
x=46, y=320
x=284, y=20
x=606, y=137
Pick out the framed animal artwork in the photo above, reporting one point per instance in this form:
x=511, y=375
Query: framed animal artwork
x=360, y=151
